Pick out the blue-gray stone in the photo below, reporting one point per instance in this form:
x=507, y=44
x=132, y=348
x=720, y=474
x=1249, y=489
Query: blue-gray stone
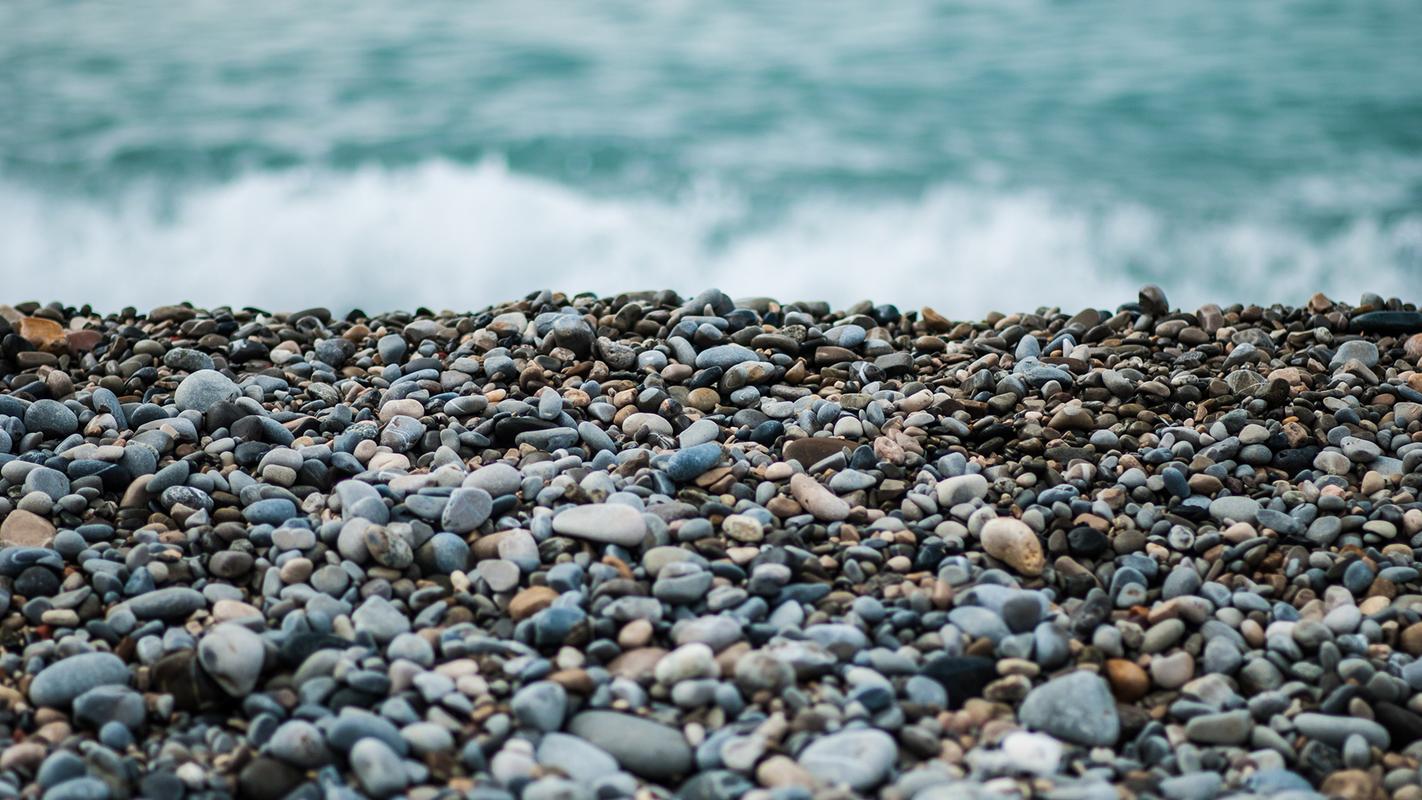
x=272, y=511
x=204, y=389
x=173, y=603
x=641, y=746
x=1077, y=707
x=689, y=463
x=725, y=356
x=467, y=509
x=51, y=418
x=59, y=683
x=540, y=705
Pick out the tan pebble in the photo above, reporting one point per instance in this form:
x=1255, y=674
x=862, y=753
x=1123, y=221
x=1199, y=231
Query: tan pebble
x=778, y=771
x=46, y=334
x=1011, y=541
x=743, y=528
x=634, y=634
x=1350, y=784
x=1410, y=640
x=1412, y=348
x=1373, y=605
x=24, y=529
x=817, y=499
x=638, y=665
x=779, y=471
x=530, y=601
x=25, y=755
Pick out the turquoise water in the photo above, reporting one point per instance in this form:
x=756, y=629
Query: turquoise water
x=968, y=155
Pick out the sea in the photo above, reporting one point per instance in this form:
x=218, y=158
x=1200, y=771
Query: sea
x=973, y=156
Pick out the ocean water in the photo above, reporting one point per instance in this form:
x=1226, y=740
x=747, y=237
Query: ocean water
x=991, y=154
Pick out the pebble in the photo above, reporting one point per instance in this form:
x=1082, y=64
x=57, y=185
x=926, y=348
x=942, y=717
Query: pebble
x=859, y=759
x=816, y=499
x=233, y=656
x=1011, y=541
x=643, y=747
x=611, y=523
x=61, y=682
x=1076, y=708
x=573, y=546
x=377, y=767
x=467, y=509
x=203, y=389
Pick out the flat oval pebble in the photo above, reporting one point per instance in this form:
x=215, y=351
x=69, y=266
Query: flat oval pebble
x=612, y=523
x=67, y=678
x=640, y=746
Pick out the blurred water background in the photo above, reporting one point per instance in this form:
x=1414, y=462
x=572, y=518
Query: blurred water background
x=969, y=155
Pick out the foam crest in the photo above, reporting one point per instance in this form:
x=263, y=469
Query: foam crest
x=459, y=236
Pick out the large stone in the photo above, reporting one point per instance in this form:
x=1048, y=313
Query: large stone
x=816, y=499
x=204, y=389
x=814, y=449
x=1011, y=541
x=59, y=683
x=233, y=656
x=24, y=529
x=1077, y=708
x=172, y=603
x=859, y=759
x=610, y=523
x=643, y=747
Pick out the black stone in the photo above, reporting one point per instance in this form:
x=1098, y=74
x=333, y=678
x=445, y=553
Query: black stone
x=1387, y=322
x=964, y=677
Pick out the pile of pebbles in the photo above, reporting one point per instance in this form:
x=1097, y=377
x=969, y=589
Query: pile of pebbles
x=569, y=548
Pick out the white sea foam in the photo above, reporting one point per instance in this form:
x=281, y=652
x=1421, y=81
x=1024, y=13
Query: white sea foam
x=453, y=236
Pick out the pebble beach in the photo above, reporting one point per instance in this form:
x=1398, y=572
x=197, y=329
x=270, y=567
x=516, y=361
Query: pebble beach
x=573, y=547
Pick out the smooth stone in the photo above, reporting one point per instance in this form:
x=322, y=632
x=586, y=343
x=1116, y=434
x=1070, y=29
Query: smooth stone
x=59, y=683
x=813, y=449
x=859, y=759
x=299, y=742
x=1225, y=727
x=1077, y=707
x=1238, y=509
x=501, y=575
x=203, y=389
x=1334, y=731
x=609, y=523
x=380, y=619
x=172, y=603
x=816, y=499
x=689, y=463
x=498, y=479
x=51, y=418
x=272, y=511
x=961, y=489
x=467, y=509
x=233, y=656
x=579, y=759
x=641, y=746
x=540, y=705
x=725, y=356
x=1011, y=541
x=111, y=703
x=377, y=767
x=22, y=528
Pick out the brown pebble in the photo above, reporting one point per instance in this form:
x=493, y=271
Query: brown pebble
x=1128, y=681
x=530, y=601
